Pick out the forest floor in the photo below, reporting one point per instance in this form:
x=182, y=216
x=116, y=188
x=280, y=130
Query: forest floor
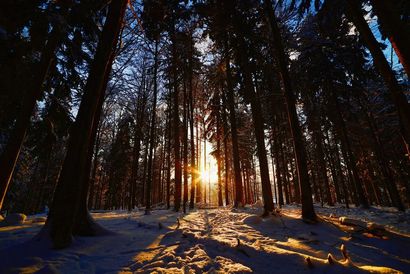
x=218, y=241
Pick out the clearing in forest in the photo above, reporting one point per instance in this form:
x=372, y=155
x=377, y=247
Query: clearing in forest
x=210, y=241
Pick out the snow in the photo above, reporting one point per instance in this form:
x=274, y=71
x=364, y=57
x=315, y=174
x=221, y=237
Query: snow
x=215, y=241
x=392, y=219
x=13, y=219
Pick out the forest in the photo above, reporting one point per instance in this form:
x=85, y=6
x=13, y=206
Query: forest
x=204, y=136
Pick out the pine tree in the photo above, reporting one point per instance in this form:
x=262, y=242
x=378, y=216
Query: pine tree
x=64, y=209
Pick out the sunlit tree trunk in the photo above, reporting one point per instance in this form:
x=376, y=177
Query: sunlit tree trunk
x=395, y=29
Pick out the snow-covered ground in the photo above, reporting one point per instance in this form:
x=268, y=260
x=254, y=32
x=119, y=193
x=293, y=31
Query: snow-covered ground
x=390, y=217
x=215, y=241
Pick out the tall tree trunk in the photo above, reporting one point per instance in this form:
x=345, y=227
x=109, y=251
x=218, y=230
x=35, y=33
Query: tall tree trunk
x=308, y=211
x=194, y=169
x=185, y=147
x=94, y=169
x=245, y=187
x=225, y=144
x=355, y=14
x=276, y=144
x=136, y=150
x=284, y=171
x=148, y=190
x=145, y=168
x=395, y=29
x=350, y=157
x=198, y=160
x=205, y=166
x=340, y=172
x=177, y=147
x=218, y=149
x=234, y=133
x=257, y=118
x=169, y=131
x=314, y=125
x=388, y=179
x=66, y=201
x=335, y=177
x=274, y=171
x=84, y=225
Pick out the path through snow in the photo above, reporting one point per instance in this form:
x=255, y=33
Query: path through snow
x=213, y=241
x=227, y=241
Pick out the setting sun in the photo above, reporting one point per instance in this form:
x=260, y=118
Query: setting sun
x=209, y=170
x=210, y=174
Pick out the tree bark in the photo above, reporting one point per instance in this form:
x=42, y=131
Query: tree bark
x=136, y=150
x=168, y=180
x=185, y=146
x=234, y=135
x=308, y=211
x=94, y=169
x=225, y=144
x=84, y=224
x=177, y=147
x=314, y=124
x=276, y=144
x=194, y=169
x=198, y=161
x=258, y=125
x=348, y=153
x=395, y=29
x=66, y=201
x=148, y=190
x=218, y=149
